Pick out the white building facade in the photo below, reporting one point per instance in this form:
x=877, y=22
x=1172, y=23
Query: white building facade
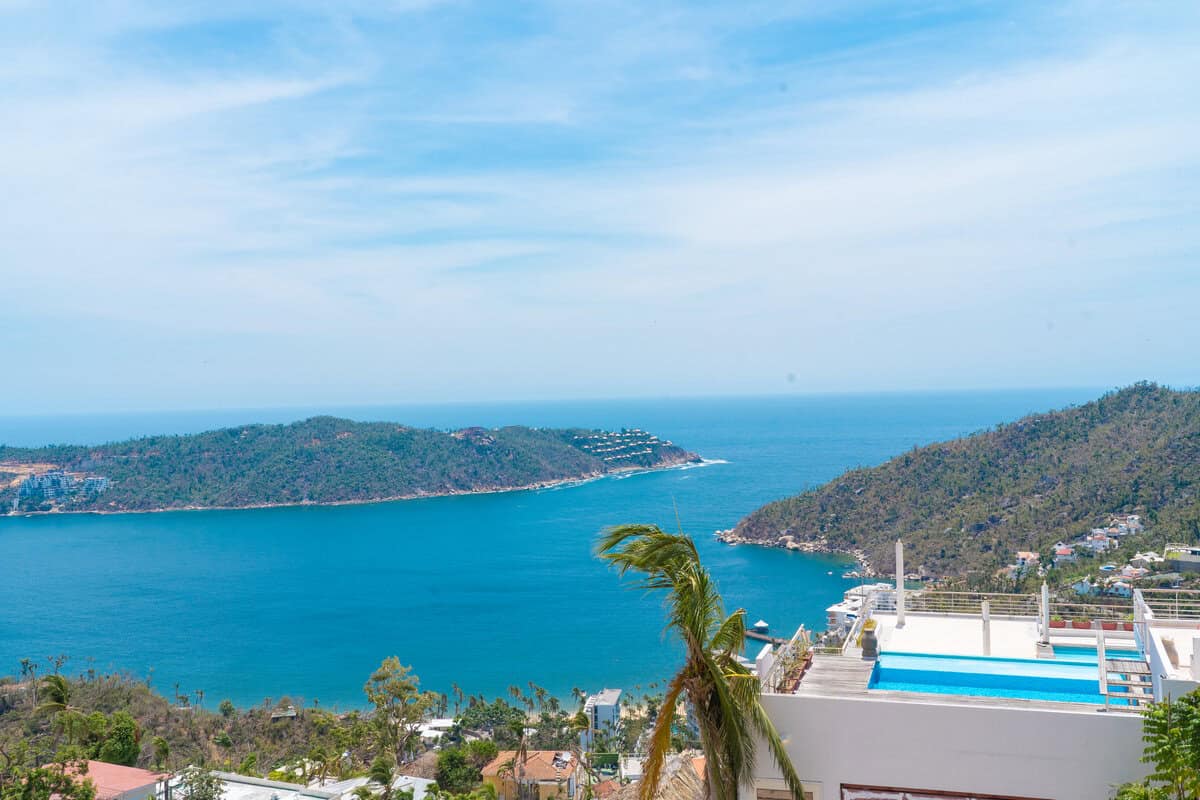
x=853, y=736
x=603, y=711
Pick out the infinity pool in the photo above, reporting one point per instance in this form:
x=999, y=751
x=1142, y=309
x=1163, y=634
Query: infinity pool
x=1088, y=655
x=1071, y=679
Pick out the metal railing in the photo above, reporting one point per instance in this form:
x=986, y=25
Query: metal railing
x=864, y=614
x=1107, y=612
x=1001, y=605
x=1172, y=604
x=789, y=658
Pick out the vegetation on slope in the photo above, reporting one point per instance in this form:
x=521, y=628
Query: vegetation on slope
x=327, y=460
x=963, y=507
x=55, y=718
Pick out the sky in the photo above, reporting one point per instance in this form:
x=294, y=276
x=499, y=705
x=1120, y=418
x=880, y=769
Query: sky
x=224, y=204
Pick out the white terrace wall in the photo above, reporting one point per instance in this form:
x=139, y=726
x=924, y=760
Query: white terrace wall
x=1014, y=752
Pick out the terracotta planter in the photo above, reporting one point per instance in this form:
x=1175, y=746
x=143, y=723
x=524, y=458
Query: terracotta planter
x=1108, y=626
x=1058, y=623
x=1081, y=626
x=1127, y=626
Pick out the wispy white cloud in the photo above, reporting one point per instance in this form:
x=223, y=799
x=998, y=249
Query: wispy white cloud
x=348, y=198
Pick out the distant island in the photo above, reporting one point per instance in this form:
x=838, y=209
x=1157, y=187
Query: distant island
x=965, y=506
x=322, y=461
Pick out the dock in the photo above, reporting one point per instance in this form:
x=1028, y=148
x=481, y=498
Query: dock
x=763, y=637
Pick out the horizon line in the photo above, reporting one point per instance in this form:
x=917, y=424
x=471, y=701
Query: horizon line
x=314, y=409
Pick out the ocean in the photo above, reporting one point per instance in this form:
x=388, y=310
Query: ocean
x=484, y=591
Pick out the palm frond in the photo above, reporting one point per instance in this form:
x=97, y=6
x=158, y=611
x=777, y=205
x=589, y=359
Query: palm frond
x=730, y=638
x=660, y=740
x=649, y=550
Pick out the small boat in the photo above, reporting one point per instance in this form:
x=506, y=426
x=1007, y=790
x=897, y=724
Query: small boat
x=849, y=575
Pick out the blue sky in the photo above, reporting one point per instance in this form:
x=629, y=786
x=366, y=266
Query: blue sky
x=225, y=204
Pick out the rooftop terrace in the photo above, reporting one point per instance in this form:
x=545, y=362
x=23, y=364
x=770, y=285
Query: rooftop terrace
x=1005, y=650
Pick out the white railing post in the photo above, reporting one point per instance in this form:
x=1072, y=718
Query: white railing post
x=1102, y=658
x=986, y=609
x=1045, y=609
x=899, y=584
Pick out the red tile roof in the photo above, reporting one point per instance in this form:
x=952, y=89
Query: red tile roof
x=112, y=780
x=539, y=765
x=605, y=788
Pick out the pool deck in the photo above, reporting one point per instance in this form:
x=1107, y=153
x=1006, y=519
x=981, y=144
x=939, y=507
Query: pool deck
x=948, y=634
x=847, y=675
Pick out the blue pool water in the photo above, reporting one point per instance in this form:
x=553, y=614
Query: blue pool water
x=1088, y=655
x=1058, y=679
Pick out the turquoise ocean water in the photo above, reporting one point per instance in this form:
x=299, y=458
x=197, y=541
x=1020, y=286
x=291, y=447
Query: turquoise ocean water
x=486, y=591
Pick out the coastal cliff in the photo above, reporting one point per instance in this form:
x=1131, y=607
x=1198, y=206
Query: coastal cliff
x=322, y=461
x=964, y=506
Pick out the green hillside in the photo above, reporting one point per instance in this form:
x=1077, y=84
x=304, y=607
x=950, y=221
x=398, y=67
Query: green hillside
x=966, y=505
x=319, y=460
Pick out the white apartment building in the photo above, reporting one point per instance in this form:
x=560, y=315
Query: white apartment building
x=603, y=711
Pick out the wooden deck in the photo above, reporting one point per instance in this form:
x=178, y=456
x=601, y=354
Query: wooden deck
x=1128, y=683
x=848, y=675
x=836, y=675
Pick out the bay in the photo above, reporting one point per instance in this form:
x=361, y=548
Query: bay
x=485, y=591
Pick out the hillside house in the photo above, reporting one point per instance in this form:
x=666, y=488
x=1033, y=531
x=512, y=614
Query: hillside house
x=1149, y=559
x=1098, y=542
x=1027, y=559
x=1064, y=554
x=1083, y=586
x=116, y=782
x=542, y=775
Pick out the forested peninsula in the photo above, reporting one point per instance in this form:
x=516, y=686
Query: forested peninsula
x=963, y=507
x=323, y=460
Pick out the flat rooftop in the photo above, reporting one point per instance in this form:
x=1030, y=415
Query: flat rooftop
x=962, y=635
x=242, y=787
x=605, y=697
x=1181, y=639
x=955, y=635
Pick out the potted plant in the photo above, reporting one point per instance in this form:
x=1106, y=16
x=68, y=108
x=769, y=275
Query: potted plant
x=1108, y=625
x=1057, y=622
x=1127, y=622
x=870, y=645
x=1081, y=624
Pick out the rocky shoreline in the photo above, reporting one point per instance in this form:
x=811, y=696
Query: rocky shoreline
x=530, y=487
x=789, y=542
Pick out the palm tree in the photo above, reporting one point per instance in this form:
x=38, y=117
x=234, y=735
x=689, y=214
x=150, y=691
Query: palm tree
x=56, y=694
x=162, y=752
x=72, y=725
x=515, y=767
x=318, y=764
x=381, y=773
x=724, y=695
x=579, y=724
